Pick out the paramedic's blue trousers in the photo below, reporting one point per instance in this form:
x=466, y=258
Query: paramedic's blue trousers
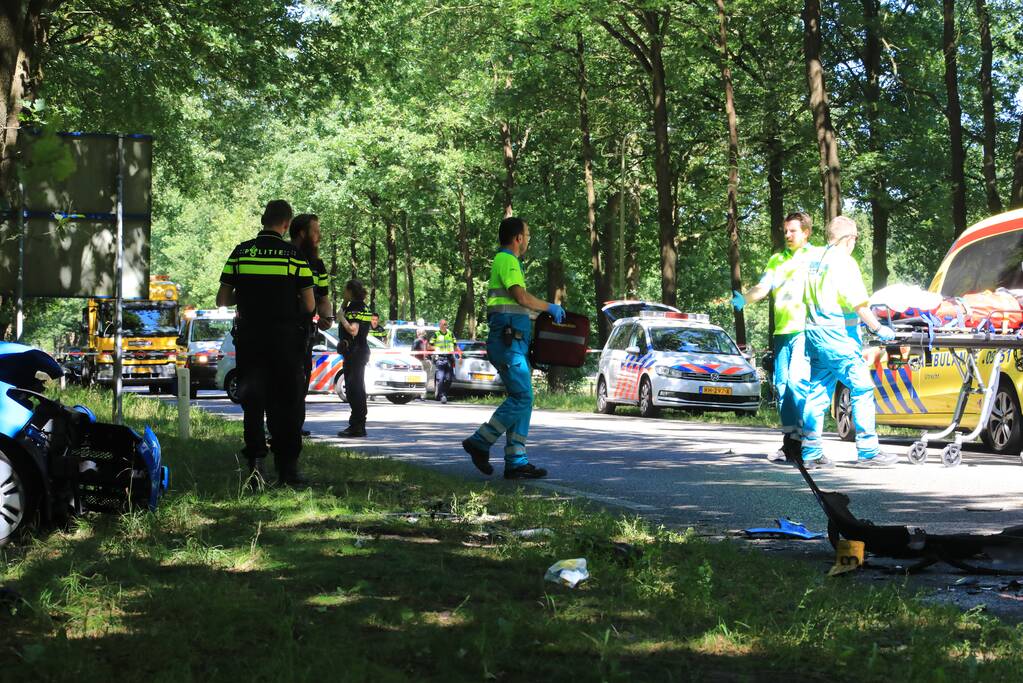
x=512, y=416
x=834, y=357
x=791, y=379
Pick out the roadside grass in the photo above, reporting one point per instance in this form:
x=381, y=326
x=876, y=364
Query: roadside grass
x=387, y=572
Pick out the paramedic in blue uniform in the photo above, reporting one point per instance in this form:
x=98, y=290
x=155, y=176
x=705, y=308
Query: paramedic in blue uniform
x=834, y=291
x=509, y=310
x=305, y=235
x=444, y=348
x=354, y=327
x=270, y=282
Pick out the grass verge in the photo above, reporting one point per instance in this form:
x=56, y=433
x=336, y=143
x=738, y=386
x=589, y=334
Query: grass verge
x=386, y=572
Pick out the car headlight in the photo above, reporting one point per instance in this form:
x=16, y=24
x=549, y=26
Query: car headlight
x=746, y=377
x=664, y=371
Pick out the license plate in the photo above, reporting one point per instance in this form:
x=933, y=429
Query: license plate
x=415, y=379
x=482, y=377
x=717, y=391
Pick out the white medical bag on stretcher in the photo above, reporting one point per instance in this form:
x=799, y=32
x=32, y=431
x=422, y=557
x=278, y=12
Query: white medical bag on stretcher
x=561, y=344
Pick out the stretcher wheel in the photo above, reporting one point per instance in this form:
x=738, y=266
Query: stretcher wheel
x=952, y=455
x=917, y=453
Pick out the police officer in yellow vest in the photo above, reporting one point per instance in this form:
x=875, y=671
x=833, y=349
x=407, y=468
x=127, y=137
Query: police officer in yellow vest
x=509, y=311
x=443, y=348
x=376, y=330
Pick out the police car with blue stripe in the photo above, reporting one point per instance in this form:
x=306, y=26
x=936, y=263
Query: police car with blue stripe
x=658, y=357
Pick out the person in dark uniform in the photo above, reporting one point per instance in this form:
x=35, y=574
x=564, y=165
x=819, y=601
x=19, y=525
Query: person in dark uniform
x=354, y=327
x=444, y=350
x=305, y=235
x=376, y=330
x=272, y=286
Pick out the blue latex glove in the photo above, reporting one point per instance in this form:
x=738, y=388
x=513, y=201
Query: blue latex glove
x=885, y=333
x=738, y=300
x=557, y=312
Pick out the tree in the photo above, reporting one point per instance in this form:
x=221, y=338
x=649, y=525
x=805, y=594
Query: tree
x=878, y=189
x=827, y=142
x=994, y=201
x=954, y=114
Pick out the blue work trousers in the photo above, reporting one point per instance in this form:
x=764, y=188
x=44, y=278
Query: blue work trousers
x=835, y=356
x=791, y=380
x=512, y=416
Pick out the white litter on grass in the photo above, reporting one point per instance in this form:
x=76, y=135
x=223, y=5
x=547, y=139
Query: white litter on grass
x=542, y=532
x=568, y=572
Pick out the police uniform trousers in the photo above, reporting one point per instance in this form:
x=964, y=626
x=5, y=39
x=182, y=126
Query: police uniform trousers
x=355, y=388
x=443, y=374
x=513, y=415
x=271, y=376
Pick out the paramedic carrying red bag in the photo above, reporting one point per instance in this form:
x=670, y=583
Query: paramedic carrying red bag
x=561, y=344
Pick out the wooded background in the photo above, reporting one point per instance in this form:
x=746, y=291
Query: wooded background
x=411, y=127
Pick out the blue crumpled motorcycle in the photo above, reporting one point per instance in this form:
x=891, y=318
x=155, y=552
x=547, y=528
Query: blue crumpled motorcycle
x=56, y=461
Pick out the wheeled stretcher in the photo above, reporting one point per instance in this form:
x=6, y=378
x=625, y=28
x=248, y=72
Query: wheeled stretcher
x=964, y=347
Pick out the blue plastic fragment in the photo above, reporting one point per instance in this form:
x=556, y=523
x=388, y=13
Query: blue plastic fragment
x=786, y=528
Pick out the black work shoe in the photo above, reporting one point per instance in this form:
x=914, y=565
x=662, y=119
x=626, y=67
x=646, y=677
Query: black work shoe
x=351, y=433
x=527, y=471
x=480, y=456
x=291, y=477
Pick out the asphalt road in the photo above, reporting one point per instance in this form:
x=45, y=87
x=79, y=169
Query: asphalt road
x=712, y=477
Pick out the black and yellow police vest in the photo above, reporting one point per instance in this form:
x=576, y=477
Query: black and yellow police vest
x=268, y=275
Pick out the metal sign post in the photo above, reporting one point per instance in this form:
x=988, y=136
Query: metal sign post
x=119, y=286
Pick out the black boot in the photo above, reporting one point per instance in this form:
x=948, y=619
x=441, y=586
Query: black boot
x=288, y=475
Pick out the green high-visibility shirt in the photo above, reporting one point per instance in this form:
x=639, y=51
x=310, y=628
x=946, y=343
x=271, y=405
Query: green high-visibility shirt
x=834, y=289
x=505, y=274
x=444, y=342
x=785, y=277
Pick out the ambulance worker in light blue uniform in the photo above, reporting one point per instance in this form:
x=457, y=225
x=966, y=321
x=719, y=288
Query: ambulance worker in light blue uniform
x=509, y=315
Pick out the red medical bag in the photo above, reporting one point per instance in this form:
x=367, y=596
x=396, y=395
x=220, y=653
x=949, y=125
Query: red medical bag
x=563, y=344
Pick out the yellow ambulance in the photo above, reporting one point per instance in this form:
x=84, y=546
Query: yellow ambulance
x=918, y=389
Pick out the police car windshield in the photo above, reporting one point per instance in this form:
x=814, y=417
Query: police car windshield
x=692, y=340
x=210, y=329
x=142, y=319
x=404, y=337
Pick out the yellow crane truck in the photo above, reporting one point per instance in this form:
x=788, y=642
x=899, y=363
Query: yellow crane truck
x=149, y=338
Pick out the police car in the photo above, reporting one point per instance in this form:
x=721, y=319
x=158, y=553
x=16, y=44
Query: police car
x=658, y=357
x=391, y=373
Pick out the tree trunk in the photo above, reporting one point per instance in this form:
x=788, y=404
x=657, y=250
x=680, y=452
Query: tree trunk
x=954, y=113
x=465, y=320
x=827, y=142
x=373, y=274
x=733, y=172
x=649, y=55
x=19, y=38
x=775, y=182
x=877, y=181
x=410, y=280
x=1016, y=195
x=601, y=290
x=354, y=257
x=662, y=166
x=392, y=268
x=557, y=292
x=609, y=223
x=509, y=167
x=994, y=201
x=631, y=248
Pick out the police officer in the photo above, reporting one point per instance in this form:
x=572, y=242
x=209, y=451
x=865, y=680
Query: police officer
x=272, y=286
x=444, y=350
x=354, y=327
x=305, y=235
x=376, y=330
x=509, y=308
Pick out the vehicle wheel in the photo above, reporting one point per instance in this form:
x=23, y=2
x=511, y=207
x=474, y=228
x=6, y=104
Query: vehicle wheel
x=843, y=414
x=193, y=391
x=339, y=387
x=646, y=399
x=19, y=496
x=603, y=405
x=231, y=386
x=1004, y=433
x=400, y=399
x=951, y=455
x=917, y=453
x=154, y=389
x=86, y=376
x=745, y=413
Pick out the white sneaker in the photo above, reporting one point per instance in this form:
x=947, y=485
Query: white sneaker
x=777, y=456
x=882, y=459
